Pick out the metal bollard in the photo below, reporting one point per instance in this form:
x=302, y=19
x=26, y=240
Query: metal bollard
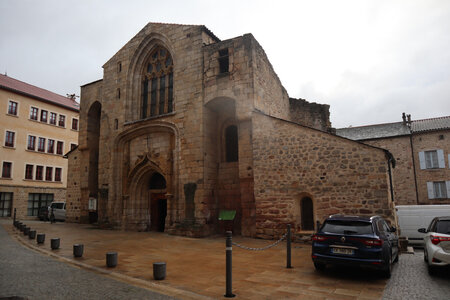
x=111, y=259
x=288, y=247
x=22, y=227
x=26, y=230
x=159, y=270
x=40, y=238
x=32, y=234
x=14, y=220
x=54, y=243
x=229, y=265
x=78, y=250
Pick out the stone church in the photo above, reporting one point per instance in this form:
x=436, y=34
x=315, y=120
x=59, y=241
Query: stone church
x=185, y=129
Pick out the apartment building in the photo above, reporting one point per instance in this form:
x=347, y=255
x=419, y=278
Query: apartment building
x=37, y=127
x=422, y=152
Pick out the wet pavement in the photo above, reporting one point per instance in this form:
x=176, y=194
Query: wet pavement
x=196, y=267
x=25, y=274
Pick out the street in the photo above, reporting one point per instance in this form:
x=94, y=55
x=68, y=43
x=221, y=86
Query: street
x=26, y=274
x=410, y=280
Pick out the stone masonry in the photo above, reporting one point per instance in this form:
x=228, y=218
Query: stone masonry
x=183, y=126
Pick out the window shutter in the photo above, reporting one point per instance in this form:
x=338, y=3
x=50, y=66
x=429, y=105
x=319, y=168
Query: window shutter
x=447, y=183
x=430, y=190
x=422, y=160
x=441, y=159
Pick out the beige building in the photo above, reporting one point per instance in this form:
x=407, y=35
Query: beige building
x=37, y=127
x=422, y=152
x=185, y=129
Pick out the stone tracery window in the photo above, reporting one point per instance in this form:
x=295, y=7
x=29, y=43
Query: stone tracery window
x=157, y=94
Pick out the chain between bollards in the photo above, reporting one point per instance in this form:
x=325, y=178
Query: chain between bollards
x=288, y=247
x=228, y=253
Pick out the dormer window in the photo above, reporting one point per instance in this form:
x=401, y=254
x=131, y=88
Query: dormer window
x=224, y=61
x=157, y=98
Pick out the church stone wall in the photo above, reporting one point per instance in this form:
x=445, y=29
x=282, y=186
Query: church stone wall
x=339, y=175
x=74, y=206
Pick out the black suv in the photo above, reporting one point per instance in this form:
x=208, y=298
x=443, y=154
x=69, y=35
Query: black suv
x=355, y=240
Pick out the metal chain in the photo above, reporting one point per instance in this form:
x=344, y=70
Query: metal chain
x=263, y=248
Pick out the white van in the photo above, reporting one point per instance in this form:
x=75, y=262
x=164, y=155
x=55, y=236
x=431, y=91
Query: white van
x=59, y=211
x=413, y=217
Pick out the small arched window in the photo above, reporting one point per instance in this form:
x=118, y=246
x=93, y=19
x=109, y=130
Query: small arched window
x=231, y=143
x=157, y=94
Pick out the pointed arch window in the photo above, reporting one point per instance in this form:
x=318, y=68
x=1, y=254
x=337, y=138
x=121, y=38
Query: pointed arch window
x=157, y=94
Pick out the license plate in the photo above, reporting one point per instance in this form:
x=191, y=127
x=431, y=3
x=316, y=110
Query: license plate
x=342, y=251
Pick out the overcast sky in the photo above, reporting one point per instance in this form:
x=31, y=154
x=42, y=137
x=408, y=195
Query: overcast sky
x=369, y=60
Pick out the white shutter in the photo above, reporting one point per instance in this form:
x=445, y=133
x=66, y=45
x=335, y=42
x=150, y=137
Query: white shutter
x=447, y=183
x=422, y=160
x=430, y=188
x=441, y=159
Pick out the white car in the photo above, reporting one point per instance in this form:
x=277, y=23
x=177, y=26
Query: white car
x=59, y=211
x=437, y=243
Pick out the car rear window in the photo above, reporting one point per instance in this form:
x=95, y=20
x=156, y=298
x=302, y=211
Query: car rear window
x=58, y=205
x=443, y=227
x=347, y=227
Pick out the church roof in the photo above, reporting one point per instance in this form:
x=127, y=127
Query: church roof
x=23, y=88
x=394, y=129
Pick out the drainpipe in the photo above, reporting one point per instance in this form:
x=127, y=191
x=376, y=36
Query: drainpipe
x=391, y=160
x=414, y=167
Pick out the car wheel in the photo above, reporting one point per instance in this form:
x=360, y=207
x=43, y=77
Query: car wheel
x=387, y=268
x=396, y=258
x=431, y=270
x=319, y=266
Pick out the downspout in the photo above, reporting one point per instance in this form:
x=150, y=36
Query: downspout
x=391, y=160
x=414, y=167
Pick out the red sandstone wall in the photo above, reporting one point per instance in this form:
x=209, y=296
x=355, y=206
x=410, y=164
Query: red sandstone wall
x=290, y=161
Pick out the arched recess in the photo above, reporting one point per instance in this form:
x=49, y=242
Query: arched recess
x=304, y=212
x=93, y=137
x=128, y=173
x=138, y=70
x=307, y=213
x=148, y=197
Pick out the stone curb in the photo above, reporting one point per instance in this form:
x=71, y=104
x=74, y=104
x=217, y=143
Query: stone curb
x=155, y=287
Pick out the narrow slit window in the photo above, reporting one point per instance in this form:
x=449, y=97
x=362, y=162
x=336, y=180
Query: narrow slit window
x=231, y=143
x=223, y=61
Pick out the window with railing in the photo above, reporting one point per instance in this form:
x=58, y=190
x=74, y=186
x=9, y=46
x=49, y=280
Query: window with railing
x=12, y=108
x=29, y=171
x=9, y=138
x=31, y=144
x=34, y=113
x=6, y=169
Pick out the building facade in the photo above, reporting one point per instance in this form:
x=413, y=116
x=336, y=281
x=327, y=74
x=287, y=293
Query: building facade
x=37, y=128
x=185, y=128
x=422, y=152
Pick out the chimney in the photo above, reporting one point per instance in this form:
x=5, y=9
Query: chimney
x=409, y=119
x=404, y=118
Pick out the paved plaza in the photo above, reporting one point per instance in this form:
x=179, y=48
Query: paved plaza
x=196, y=267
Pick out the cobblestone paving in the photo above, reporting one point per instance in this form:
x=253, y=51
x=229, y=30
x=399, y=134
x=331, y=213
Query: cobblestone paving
x=410, y=280
x=29, y=275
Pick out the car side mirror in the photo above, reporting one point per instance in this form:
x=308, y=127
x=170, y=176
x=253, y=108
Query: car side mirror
x=423, y=230
x=393, y=229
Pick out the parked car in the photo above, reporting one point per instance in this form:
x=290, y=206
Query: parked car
x=356, y=240
x=437, y=243
x=59, y=211
x=43, y=213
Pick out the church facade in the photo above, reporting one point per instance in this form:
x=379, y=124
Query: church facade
x=185, y=129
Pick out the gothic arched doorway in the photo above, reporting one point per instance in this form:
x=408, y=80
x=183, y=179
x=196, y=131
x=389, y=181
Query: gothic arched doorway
x=157, y=202
x=307, y=214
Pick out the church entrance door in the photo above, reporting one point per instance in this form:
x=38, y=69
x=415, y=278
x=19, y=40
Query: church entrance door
x=158, y=211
